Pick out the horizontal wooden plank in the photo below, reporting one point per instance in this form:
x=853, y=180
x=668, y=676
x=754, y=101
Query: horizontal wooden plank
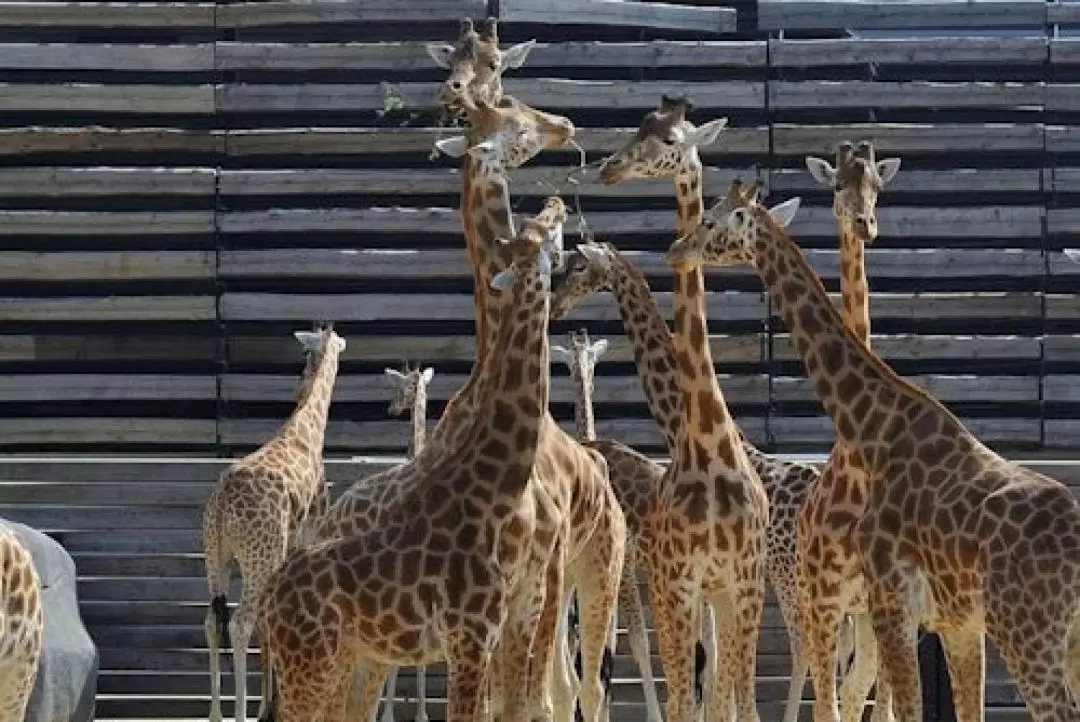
x=88, y=139
x=900, y=51
x=107, y=14
x=1062, y=347
x=651, y=15
x=531, y=180
x=101, y=98
x=89, y=469
x=437, y=263
x=819, y=430
x=1061, y=433
x=258, y=14
x=148, y=493
x=106, y=387
x=896, y=14
x=741, y=388
x=989, y=388
x=548, y=93
x=123, y=223
x=107, y=347
x=937, y=182
x=106, y=265
x=90, y=56
x=109, y=308
x=785, y=94
x=1063, y=51
x=741, y=348
x=127, y=430
x=1062, y=97
x=894, y=221
x=399, y=56
x=106, y=181
x=393, y=435
x=1062, y=13
x=357, y=141
x=1063, y=221
x=792, y=139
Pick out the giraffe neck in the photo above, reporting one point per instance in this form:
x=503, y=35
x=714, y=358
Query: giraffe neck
x=654, y=353
x=419, y=420
x=485, y=217
x=306, y=428
x=706, y=416
x=854, y=289
x=583, y=409
x=870, y=405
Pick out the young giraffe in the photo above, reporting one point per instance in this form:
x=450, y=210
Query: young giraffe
x=953, y=535
x=481, y=62
x=830, y=579
x=706, y=527
x=596, y=267
x=434, y=579
x=262, y=506
x=581, y=358
x=476, y=64
x=410, y=394
x=22, y=626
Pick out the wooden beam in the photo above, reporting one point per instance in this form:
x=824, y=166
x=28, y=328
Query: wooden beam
x=792, y=139
x=61, y=181
x=107, y=14
x=90, y=56
x=102, y=98
x=70, y=388
x=895, y=14
x=1001, y=51
x=101, y=430
x=109, y=308
x=87, y=139
x=106, y=265
x=118, y=223
x=260, y=14
x=669, y=16
x=785, y=94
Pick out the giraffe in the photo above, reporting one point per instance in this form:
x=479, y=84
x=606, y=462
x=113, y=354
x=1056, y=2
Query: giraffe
x=830, y=582
x=953, y=535
x=476, y=64
x=261, y=506
x=581, y=358
x=22, y=626
x=434, y=580
x=707, y=523
x=594, y=267
x=410, y=394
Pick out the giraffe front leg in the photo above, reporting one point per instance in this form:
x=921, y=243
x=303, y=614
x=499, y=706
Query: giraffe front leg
x=864, y=670
x=552, y=687
x=467, y=665
x=365, y=688
x=598, y=591
x=965, y=654
x=519, y=632
x=390, y=696
x=421, y=695
x=632, y=613
x=675, y=606
x=897, y=630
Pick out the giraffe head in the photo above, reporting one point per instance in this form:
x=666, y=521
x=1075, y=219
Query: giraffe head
x=856, y=180
x=664, y=146
x=536, y=245
x=507, y=135
x=322, y=339
x=476, y=64
x=728, y=234
x=407, y=384
x=582, y=356
x=584, y=271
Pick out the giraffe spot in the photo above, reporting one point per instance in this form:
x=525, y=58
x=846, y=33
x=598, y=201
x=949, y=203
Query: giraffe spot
x=710, y=410
x=408, y=639
x=686, y=366
x=808, y=324
x=697, y=332
x=467, y=536
x=849, y=386
x=528, y=406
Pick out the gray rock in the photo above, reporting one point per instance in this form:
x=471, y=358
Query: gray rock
x=67, y=676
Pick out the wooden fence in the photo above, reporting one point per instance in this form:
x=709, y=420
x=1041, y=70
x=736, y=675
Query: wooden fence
x=182, y=184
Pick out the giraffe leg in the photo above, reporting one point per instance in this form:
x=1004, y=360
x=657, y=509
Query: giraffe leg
x=860, y=677
x=965, y=654
x=241, y=627
x=17, y=679
x=566, y=683
x=883, y=704
x=823, y=616
x=213, y=645
x=675, y=614
x=466, y=679
x=421, y=695
x=390, y=697
x=714, y=696
x=365, y=688
x=897, y=630
x=266, y=695
x=598, y=591
x=632, y=614
x=216, y=624
x=787, y=598
x=518, y=642
x=1036, y=658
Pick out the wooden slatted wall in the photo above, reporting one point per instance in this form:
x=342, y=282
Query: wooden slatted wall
x=183, y=184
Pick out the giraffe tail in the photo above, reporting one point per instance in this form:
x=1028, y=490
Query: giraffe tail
x=220, y=606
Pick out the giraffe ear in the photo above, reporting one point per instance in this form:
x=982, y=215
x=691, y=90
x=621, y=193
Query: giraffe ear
x=783, y=213
x=427, y=374
x=706, y=133
x=561, y=353
x=599, y=349
x=395, y=377
x=887, y=169
x=504, y=279
x=440, y=53
x=310, y=340
x=514, y=56
x=454, y=147
x=822, y=172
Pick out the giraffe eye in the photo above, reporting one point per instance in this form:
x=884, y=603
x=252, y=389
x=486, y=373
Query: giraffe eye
x=669, y=140
x=494, y=66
